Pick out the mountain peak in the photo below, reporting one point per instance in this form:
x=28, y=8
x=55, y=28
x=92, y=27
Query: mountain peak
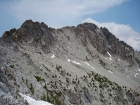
x=83, y=65
x=30, y=24
x=89, y=25
x=100, y=38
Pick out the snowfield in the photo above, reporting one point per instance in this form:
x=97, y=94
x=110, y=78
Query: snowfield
x=32, y=101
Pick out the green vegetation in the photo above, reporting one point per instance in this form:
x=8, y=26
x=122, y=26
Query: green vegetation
x=26, y=82
x=36, y=40
x=56, y=101
x=101, y=62
x=16, y=97
x=62, y=73
x=45, y=87
x=12, y=66
x=22, y=79
x=46, y=68
x=52, y=96
x=39, y=78
x=110, y=94
x=31, y=88
x=58, y=68
x=44, y=98
x=88, y=82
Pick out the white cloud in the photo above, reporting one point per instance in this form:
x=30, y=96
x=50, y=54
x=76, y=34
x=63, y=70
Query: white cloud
x=57, y=13
x=121, y=31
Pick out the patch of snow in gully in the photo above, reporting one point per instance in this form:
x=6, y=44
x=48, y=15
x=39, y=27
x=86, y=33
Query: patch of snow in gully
x=110, y=71
x=69, y=60
x=53, y=56
x=118, y=59
x=110, y=57
x=88, y=64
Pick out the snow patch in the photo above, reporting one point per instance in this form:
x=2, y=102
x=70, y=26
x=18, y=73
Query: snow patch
x=89, y=65
x=53, y=56
x=110, y=71
x=32, y=101
x=77, y=63
x=110, y=57
x=136, y=74
x=138, y=69
x=68, y=60
x=118, y=59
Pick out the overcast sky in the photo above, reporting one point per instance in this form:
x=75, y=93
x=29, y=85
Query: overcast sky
x=121, y=17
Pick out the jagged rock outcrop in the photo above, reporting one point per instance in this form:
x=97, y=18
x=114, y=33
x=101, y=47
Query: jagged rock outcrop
x=9, y=34
x=117, y=47
x=91, y=33
x=82, y=65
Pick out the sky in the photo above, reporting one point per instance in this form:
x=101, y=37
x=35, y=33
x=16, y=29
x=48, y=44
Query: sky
x=121, y=17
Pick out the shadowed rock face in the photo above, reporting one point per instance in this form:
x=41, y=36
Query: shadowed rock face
x=82, y=65
x=91, y=33
x=117, y=47
x=33, y=32
x=8, y=34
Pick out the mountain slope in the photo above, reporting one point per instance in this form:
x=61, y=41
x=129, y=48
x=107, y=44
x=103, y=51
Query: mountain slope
x=83, y=65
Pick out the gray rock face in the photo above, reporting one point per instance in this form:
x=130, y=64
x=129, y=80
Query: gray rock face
x=83, y=65
x=8, y=95
x=7, y=99
x=117, y=47
x=4, y=87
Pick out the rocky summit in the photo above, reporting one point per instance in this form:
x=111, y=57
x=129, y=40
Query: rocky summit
x=77, y=65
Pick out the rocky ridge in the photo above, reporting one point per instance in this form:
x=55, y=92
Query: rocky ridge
x=82, y=65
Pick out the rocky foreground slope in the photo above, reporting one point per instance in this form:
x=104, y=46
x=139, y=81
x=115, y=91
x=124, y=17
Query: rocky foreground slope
x=83, y=65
